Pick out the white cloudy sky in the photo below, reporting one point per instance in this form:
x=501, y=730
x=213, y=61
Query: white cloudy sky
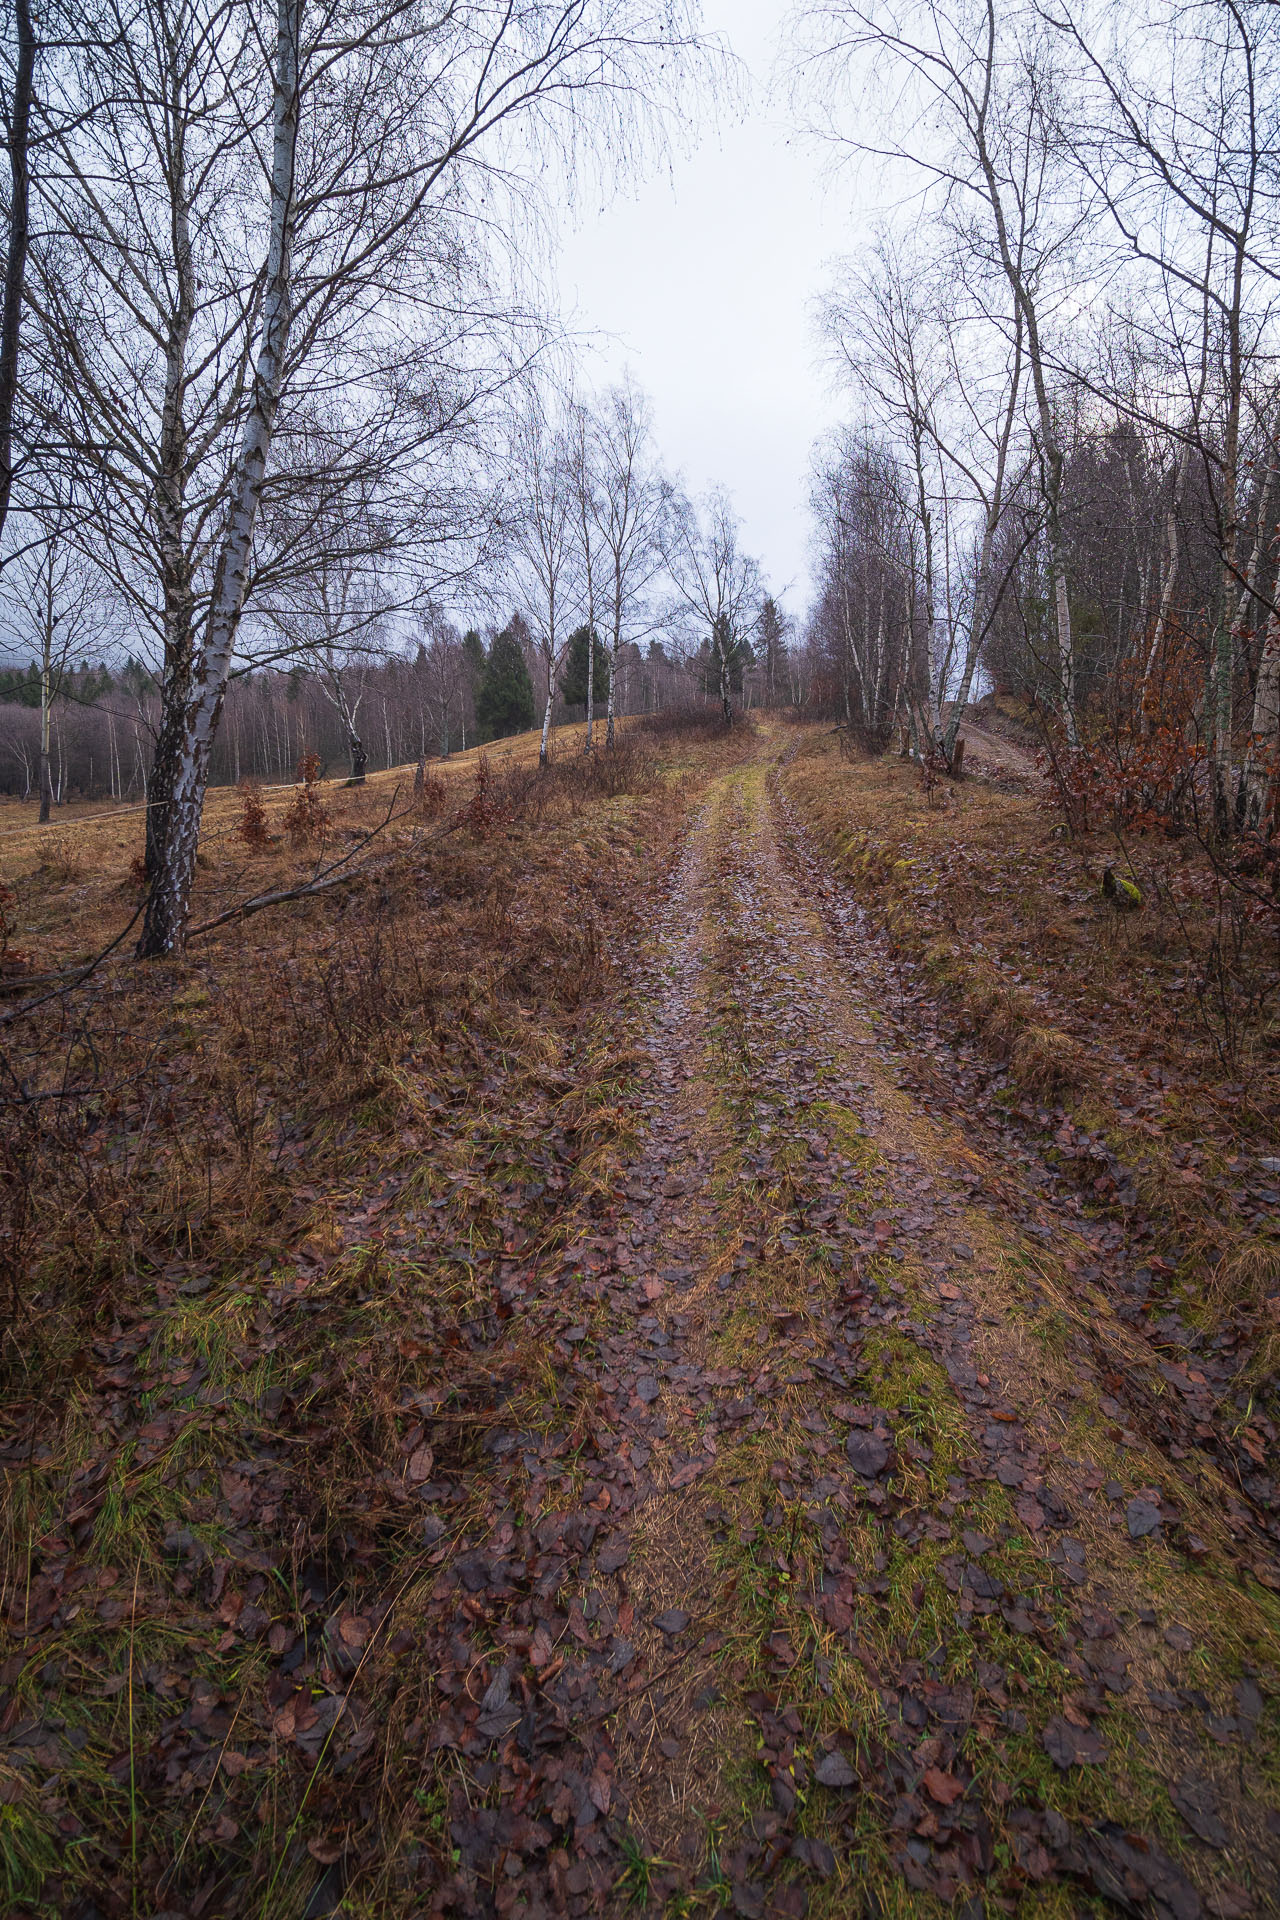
x=703, y=280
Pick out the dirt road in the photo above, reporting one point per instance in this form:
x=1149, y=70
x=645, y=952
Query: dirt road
x=876, y=1565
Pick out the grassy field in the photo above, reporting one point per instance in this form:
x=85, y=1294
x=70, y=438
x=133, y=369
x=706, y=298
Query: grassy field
x=440, y=1313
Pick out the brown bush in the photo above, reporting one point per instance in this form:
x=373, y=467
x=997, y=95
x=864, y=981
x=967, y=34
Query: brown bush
x=252, y=826
x=430, y=794
x=307, y=818
x=685, y=723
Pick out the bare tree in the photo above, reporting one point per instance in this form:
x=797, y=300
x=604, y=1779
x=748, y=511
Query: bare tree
x=545, y=571
x=717, y=586
x=54, y=608
x=334, y=343
x=628, y=503
x=444, y=669
x=978, y=74
x=947, y=387
x=1177, y=142
x=338, y=628
x=775, y=628
x=17, y=117
x=861, y=624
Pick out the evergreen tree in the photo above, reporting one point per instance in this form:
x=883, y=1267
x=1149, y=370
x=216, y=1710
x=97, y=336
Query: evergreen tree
x=773, y=644
x=573, y=684
x=504, y=700
x=473, y=662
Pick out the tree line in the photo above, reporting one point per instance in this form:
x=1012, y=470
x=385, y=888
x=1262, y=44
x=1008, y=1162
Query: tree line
x=1059, y=469
x=269, y=345
x=454, y=692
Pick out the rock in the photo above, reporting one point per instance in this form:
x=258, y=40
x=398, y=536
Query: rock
x=1122, y=894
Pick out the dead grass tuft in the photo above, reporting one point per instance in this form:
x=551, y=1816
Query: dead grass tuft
x=1047, y=1062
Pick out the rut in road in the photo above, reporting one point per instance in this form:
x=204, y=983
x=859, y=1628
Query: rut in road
x=876, y=1578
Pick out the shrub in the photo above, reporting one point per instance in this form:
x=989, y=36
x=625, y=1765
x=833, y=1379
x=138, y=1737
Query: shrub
x=252, y=828
x=430, y=795
x=489, y=806
x=307, y=819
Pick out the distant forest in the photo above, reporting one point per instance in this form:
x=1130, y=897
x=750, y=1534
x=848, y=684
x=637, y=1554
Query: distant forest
x=397, y=709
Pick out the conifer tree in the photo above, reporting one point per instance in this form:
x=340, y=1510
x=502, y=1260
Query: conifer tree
x=573, y=683
x=504, y=700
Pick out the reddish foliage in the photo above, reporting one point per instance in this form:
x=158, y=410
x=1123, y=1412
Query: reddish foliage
x=429, y=792
x=307, y=819
x=253, y=819
x=1140, y=769
x=12, y=959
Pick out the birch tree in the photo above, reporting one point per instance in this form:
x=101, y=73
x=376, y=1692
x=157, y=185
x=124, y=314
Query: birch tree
x=972, y=103
x=716, y=585
x=1177, y=139
x=948, y=389
x=19, y=95
x=545, y=569
x=627, y=504
x=266, y=288
x=53, y=608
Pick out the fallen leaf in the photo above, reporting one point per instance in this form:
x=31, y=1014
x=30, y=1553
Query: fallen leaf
x=942, y=1787
x=833, y=1770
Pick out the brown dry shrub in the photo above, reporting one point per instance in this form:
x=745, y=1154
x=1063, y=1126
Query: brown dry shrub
x=685, y=723
x=490, y=804
x=1246, y=1281
x=12, y=959
x=430, y=794
x=1047, y=1062
x=60, y=858
x=307, y=819
x=252, y=826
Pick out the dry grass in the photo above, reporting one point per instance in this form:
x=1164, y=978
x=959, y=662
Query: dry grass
x=239, y=1196
x=1008, y=918
x=1121, y=1021
x=74, y=879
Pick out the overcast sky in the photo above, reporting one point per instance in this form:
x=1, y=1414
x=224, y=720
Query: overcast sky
x=704, y=280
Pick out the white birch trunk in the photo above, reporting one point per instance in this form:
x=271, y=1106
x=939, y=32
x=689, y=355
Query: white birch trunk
x=1263, y=763
x=169, y=901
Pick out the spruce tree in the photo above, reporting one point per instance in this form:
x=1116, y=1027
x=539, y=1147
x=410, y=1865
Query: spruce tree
x=573, y=683
x=504, y=700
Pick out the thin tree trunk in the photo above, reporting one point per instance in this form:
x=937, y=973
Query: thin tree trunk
x=46, y=780
x=1263, y=763
x=15, y=265
x=610, y=700
x=170, y=515
x=1222, y=678
x=169, y=900
x=1169, y=584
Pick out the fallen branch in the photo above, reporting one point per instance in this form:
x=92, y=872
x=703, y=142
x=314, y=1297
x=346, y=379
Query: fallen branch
x=322, y=882
x=75, y=977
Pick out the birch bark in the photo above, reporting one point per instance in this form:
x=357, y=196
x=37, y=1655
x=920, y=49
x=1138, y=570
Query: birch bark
x=169, y=900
